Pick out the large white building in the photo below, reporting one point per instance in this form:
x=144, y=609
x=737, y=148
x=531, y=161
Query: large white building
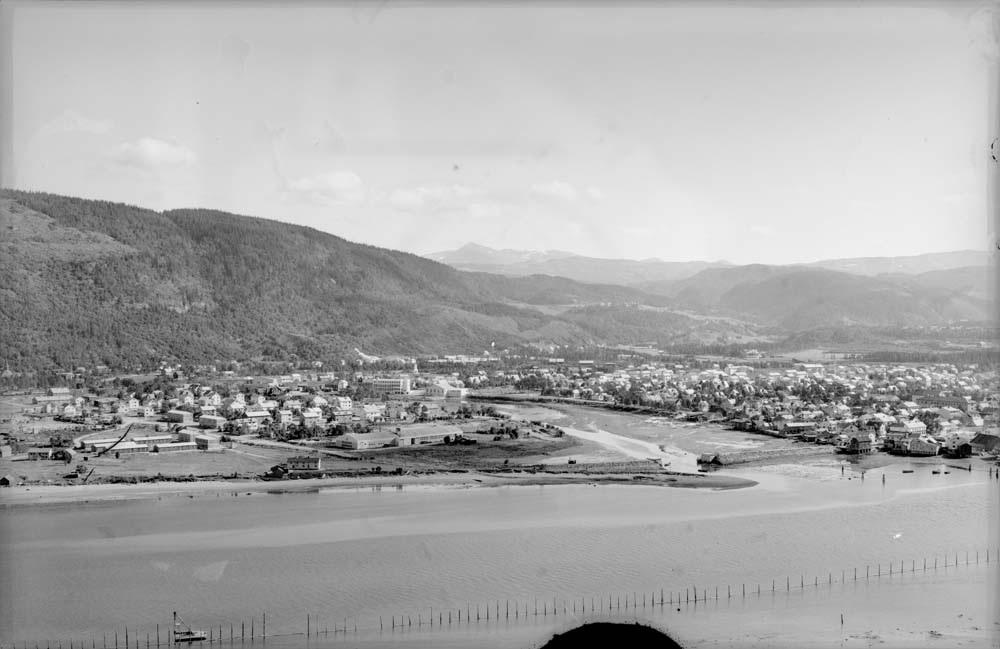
x=443, y=389
x=400, y=384
x=362, y=441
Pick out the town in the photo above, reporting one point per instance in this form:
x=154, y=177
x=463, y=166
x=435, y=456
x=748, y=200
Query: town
x=311, y=423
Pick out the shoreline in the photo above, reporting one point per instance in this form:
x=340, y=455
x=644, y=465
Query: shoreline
x=27, y=496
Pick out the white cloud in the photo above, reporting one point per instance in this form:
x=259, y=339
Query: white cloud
x=152, y=153
x=70, y=121
x=595, y=194
x=557, y=190
x=334, y=187
x=433, y=197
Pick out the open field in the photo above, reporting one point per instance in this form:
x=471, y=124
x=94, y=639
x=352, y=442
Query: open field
x=485, y=453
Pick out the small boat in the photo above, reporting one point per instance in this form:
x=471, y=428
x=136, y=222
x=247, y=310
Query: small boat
x=935, y=471
x=907, y=470
x=186, y=635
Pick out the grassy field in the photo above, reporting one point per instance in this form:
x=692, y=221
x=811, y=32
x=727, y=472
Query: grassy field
x=486, y=453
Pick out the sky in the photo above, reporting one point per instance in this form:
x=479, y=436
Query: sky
x=749, y=132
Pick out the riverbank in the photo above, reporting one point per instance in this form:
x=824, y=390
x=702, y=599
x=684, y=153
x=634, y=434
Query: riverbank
x=55, y=494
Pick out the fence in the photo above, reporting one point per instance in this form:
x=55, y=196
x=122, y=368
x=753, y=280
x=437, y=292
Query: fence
x=314, y=625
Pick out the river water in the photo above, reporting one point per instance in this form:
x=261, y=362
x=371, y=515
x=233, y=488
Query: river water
x=352, y=556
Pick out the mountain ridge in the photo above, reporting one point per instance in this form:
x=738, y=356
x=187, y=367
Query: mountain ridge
x=96, y=282
x=631, y=272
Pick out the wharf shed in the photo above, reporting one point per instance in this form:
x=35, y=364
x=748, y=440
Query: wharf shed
x=985, y=443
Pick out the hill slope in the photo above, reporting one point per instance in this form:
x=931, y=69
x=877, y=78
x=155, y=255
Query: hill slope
x=522, y=263
x=97, y=282
x=87, y=282
x=658, y=273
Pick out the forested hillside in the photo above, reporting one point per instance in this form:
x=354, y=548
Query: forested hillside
x=96, y=282
x=86, y=282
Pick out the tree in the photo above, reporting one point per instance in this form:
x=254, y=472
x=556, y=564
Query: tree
x=932, y=420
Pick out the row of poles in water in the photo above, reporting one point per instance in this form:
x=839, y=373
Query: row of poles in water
x=516, y=610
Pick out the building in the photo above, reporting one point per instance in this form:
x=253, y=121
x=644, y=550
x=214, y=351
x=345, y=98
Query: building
x=442, y=389
x=39, y=453
x=936, y=400
x=417, y=435
x=401, y=384
x=6, y=451
x=8, y=481
x=372, y=412
x=304, y=463
x=311, y=417
x=922, y=446
x=284, y=418
x=66, y=455
x=212, y=421
x=95, y=445
x=150, y=441
x=128, y=448
x=985, y=443
x=175, y=447
x=364, y=441
x=911, y=428
x=180, y=417
x=857, y=445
